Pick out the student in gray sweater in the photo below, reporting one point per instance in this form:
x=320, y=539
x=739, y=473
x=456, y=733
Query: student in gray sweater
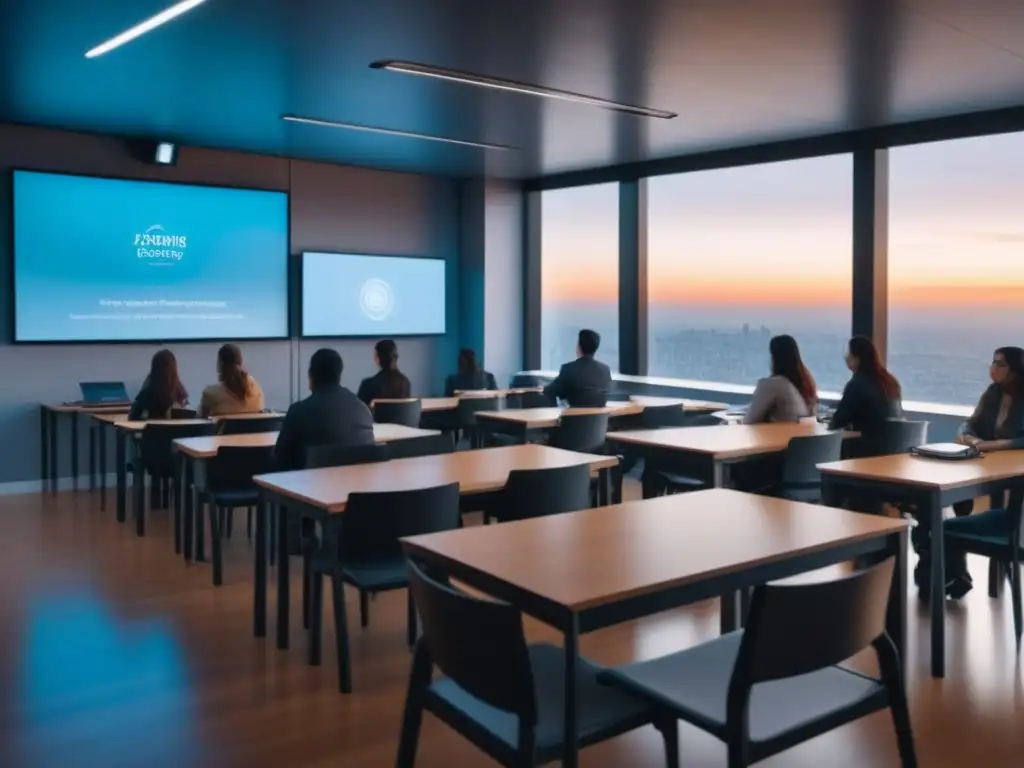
x=790, y=393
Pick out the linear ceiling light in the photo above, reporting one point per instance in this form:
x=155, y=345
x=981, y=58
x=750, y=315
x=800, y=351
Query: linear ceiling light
x=142, y=28
x=426, y=70
x=391, y=132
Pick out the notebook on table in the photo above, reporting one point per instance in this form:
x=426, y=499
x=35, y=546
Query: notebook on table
x=949, y=451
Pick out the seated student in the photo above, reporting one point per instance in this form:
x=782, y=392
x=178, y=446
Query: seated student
x=585, y=382
x=236, y=392
x=789, y=394
x=870, y=398
x=389, y=382
x=162, y=390
x=330, y=415
x=469, y=377
x=997, y=424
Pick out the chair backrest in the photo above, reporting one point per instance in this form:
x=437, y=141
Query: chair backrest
x=183, y=413
x=661, y=416
x=702, y=420
x=465, y=414
x=800, y=628
x=429, y=445
x=344, y=455
x=404, y=412
x=535, y=400
x=235, y=466
x=157, y=438
x=803, y=454
x=513, y=401
x=477, y=643
x=373, y=523
x=618, y=397
x=538, y=492
x=899, y=436
x=590, y=398
x=583, y=432
x=250, y=426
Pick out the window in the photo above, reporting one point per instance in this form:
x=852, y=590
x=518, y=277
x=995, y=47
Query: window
x=738, y=255
x=579, y=274
x=956, y=272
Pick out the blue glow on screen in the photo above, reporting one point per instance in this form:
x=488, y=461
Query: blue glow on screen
x=354, y=295
x=111, y=260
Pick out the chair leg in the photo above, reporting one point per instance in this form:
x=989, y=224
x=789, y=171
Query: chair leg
x=364, y=609
x=341, y=634
x=892, y=677
x=272, y=529
x=215, y=545
x=229, y=515
x=412, y=718
x=316, y=618
x=995, y=578
x=1018, y=609
x=307, y=587
x=248, y=524
x=412, y=619
x=669, y=729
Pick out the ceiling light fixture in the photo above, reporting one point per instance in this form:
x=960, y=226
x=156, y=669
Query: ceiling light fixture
x=142, y=28
x=483, y=81
x=391, y=132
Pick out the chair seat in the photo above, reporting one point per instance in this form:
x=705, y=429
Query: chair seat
x=677, y=479
x=693, y=684
x=384, y=573
x=246, y=498
x=603, y=711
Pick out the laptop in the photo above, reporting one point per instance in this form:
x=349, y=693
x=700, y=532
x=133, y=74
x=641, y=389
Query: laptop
x=104, y=393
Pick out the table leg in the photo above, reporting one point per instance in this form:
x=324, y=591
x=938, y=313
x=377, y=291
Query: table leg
x=54, y=472
x=200, y=525
x=570, y=745
x=44, y=446
x=283, y=588
x=101, y=439
x=121, y=469
x=74, y=451
x=259, y=589
x=896, y=617
x=92, y=455
x=732, y=603
x=138, y=489
x=933, y=509
x=180, y=488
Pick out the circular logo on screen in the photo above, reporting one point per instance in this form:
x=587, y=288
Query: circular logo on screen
x=376, y=299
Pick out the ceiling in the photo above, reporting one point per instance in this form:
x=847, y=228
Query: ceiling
x=737, y=72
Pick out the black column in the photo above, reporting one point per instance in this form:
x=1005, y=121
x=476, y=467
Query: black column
x=871, y=245
x=633, y=277
x=531, y=280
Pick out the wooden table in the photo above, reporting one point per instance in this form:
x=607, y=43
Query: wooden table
x=195, y=452
x=436, y=404
x=582, y=571
x=317, y=493
x=930, y=485
x=706, y=452
x=48, y=436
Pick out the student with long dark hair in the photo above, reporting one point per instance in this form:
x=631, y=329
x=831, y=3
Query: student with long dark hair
x=790, y=393
x=389, y=383
x=870, y=397
x=997, y=424
x=470, y=376
x=162, y=390
x=236, y=391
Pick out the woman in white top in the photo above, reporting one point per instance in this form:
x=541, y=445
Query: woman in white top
x=790, y=393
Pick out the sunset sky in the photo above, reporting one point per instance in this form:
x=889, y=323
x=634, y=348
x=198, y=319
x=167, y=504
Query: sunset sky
x=780, y=234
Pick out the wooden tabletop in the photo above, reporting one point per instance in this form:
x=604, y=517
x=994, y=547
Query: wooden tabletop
x=83, y=408
x=475, y=472
x=940, y=474
x=207, y=447
x=546, y=418
x=695, y=406
x=723, y=442
x=121, y=421
x=601, y=556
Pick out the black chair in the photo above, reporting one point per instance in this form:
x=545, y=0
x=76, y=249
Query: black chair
x=778, y=683
x=538, y=492
x=184, y=413
x=799, y=478
x=429, y=445
x=997, y=535
x=343, y=455
x=535, y=400
x=229, y=486
x=404, y=412
x=250, y=426
x=503, y=695
x=155, y=457
x=588, y=433
x=592, y=399
x=663, y=417
x=465, y=417
x=362, y=547
x=658, y=480
x=899, y=436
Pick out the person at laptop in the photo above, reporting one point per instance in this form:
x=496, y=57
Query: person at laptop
x=997, y=424
x=790, y=393
x=331, y=415
x=389, y=383
x=470, y=376
x=585, y=382
x=162, y=391
x=235, y=392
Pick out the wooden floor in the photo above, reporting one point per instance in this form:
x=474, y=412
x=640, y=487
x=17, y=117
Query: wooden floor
x=114, y=653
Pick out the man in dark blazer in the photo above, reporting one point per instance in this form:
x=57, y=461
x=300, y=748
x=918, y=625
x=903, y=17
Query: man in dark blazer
x=585, y=382
x=331, y=414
